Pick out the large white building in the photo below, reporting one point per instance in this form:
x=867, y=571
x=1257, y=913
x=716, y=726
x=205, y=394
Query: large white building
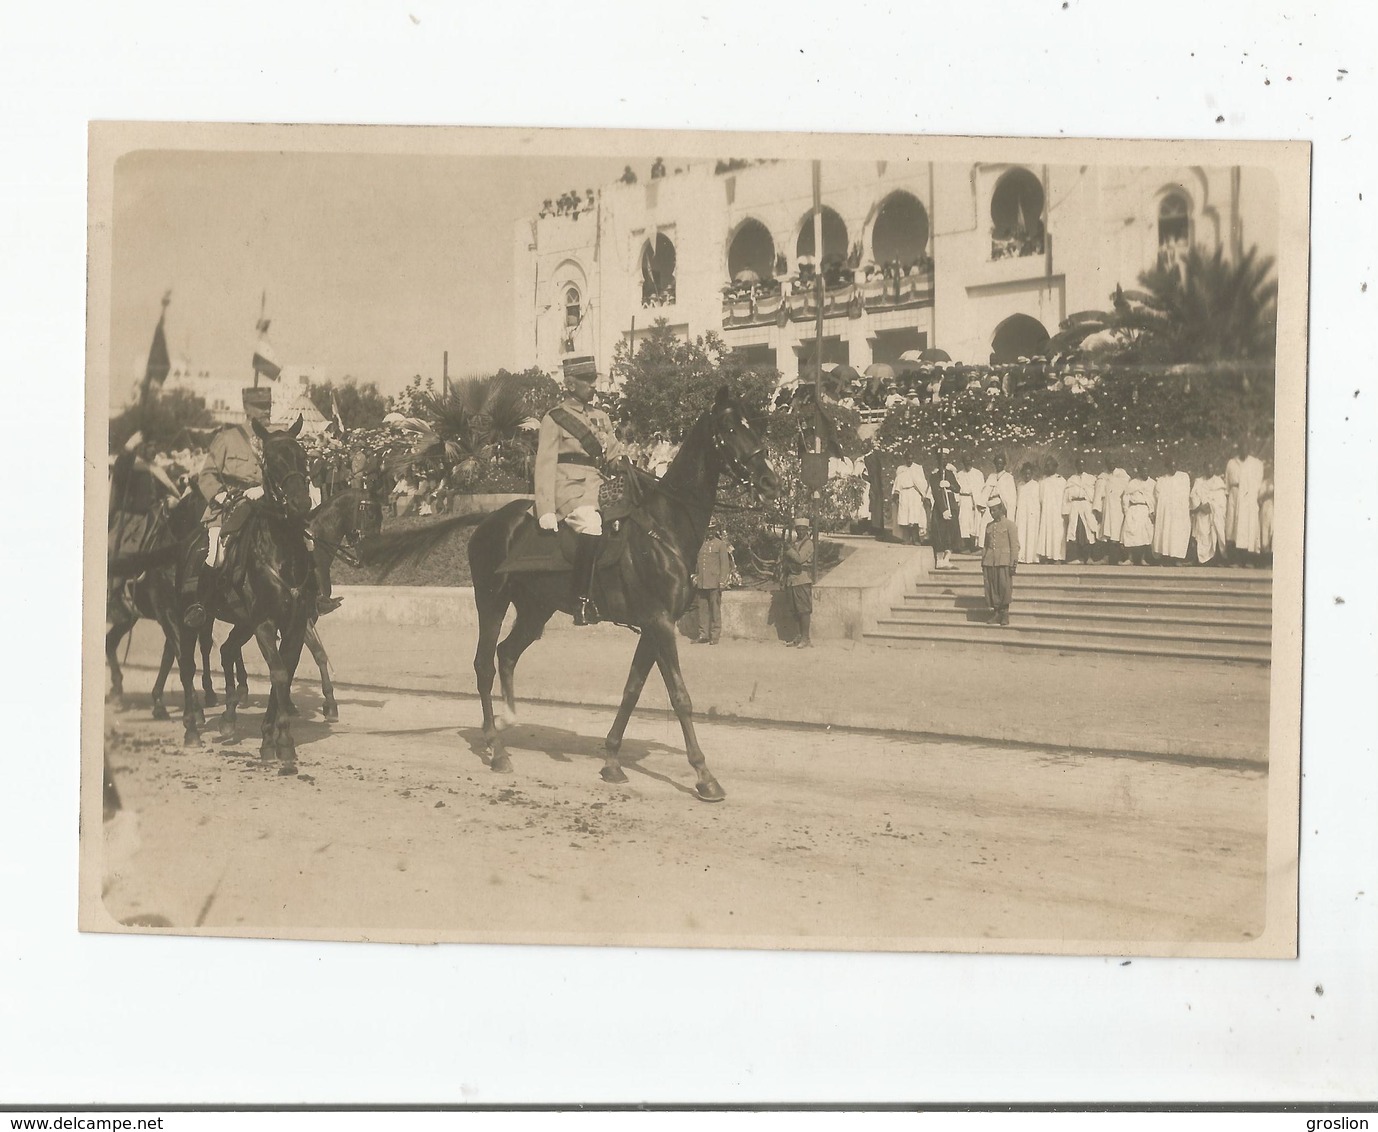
x=989, y=258
x=224, y=396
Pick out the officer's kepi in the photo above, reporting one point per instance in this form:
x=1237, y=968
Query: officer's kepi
x=581, y=369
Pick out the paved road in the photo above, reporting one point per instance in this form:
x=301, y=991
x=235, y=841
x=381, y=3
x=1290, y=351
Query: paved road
x=396, y=826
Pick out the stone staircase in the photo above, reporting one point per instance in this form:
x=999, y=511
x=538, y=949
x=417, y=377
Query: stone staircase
x=1184, y=612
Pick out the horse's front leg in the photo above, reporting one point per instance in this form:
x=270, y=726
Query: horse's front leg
x=164, y=668
x=313, y=642
x=290, y=650
x=207, y=675
x=644, y=657
x=667, y=657
x=186, y=665
x=231, y=654
x=267, y=636
x=112, y=658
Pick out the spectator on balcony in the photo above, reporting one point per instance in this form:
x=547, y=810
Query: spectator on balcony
x=657, y=169
x=546, y=207
x=588, y=200
x=628, y=177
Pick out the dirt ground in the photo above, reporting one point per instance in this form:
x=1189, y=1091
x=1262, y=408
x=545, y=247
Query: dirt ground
x=396, y=826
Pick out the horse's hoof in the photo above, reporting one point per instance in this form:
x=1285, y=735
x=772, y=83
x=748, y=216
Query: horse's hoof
x=710, y=791
x=241, y=695
x=287, y=768
x=210, y=699
x=502, y=764
x=114, y=697
x=226, y=729
x=160, y=713
x=267, y=755
x=191, y=740
x=613, y=774
x=331, y=714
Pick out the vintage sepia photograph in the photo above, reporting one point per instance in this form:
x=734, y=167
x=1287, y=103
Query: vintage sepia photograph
x=783, y=541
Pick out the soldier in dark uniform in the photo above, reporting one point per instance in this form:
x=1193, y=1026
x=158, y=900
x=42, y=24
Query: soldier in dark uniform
x=576, y=440
x=798, y=579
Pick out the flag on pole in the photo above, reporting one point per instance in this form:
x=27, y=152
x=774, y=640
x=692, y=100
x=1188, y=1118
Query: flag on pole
x=1021, y=225
x=336, y=420
x=155, y=373
x=265, y=357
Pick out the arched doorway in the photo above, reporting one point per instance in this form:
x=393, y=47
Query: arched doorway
x=900, y=233
x=1016, y=215
x=1174, y=220
x=752, y=249
x=1019, y=336
x=658, y=272
x=834, y=237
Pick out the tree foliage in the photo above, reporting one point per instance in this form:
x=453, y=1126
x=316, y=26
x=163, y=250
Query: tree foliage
x=361, y=405
x=162, y=419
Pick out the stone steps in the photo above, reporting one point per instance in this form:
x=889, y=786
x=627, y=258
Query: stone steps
x=1220, y=614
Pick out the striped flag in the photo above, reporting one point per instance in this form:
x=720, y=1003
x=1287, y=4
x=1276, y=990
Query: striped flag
x=335, y=418
x=265, y=357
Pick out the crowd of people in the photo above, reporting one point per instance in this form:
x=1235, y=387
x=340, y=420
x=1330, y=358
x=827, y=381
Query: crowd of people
x=1160, y=516
x=568, y=204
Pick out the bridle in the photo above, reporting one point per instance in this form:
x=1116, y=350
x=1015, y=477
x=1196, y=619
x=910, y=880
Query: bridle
x=738, y=466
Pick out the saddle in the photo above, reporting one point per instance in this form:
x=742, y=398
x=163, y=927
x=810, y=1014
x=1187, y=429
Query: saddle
x=535, y=551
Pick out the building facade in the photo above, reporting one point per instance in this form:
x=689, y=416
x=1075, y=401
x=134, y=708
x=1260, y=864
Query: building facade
x=983, y=261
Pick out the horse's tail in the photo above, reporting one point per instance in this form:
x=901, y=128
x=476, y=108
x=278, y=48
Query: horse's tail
x=392, y=549
x=128, y=565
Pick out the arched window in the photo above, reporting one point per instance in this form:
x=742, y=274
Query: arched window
x=657, y=272
x=1016, y=215
x=573, y=314
x=900, y=233
x=834, y=237
x=1018, y=336
x=752, y=249
x=1174, y=220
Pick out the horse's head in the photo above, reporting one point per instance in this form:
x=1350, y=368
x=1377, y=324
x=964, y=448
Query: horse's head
x=284, y=469
x=740, y=447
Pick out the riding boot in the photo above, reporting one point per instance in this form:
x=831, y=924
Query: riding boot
x=201, y=608
x=585, y=563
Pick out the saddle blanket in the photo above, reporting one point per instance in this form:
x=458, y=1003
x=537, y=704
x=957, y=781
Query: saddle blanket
x=536, y=551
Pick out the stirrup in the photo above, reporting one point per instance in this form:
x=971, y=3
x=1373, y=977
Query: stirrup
x=585, y=612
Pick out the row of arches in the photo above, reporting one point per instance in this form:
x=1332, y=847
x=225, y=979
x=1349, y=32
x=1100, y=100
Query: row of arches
x=900, y=232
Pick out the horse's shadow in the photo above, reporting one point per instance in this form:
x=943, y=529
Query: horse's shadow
x=559, y=743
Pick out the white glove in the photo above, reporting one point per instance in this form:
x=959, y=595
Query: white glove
x=134, y=441
x=549, y=521
x=255, y=492
x=221, y=497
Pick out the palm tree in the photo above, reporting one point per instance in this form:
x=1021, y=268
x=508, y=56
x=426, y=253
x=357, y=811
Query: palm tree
x=477, y=420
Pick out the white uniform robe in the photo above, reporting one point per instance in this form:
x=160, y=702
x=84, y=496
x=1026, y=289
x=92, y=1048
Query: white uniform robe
x=1208, y=517
x=1076, y=506
x=1172, y=515
x=1029, y=511
x=999, y=488
x=1107, y=501
x=1052, y=525
x=1243, y=478
x=969, y=485
x=911, y=485
x=1138, y=514
x=1265, y=517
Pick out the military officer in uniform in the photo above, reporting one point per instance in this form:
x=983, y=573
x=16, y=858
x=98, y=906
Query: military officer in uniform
x=576, y=440
x=231, y=479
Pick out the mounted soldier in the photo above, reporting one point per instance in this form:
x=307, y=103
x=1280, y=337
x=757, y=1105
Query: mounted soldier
x=231, y=480
x=576, y=441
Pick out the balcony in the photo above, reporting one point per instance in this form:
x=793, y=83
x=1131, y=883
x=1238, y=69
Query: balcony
x=1016, y=245
x=764, y=304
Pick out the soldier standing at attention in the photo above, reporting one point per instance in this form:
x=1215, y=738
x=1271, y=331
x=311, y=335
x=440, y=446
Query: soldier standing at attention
x=576, y=440
x=714, y=567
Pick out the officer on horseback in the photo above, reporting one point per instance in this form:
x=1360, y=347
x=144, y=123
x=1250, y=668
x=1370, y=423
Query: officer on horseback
x=576, y=440
x=230, y=480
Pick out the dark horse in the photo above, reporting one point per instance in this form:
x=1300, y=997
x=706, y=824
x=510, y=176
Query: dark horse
x=647, y=587
x=335, y=527
x=151, y=592
x=266, y=589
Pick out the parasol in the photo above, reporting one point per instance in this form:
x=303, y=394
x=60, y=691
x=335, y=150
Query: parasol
x=880, y=371
x=746, y=275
